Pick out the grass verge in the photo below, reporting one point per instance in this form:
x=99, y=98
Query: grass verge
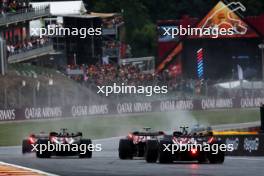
x=102, y=127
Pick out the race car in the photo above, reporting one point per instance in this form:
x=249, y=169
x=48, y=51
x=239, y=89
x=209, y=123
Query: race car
x=201, y=130
x=27, y=144
x=69, y=144
x=135, y=143
x=164, y=150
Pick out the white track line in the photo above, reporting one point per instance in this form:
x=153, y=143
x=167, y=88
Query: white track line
x=27, y=168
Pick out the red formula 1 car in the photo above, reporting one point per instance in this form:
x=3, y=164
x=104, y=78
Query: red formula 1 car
x=62, y=138
x=27, y=144
x=164, y=150
x=134, y=145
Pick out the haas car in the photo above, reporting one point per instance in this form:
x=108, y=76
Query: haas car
x=134, y=145
x=163, y=149
x=62, y=138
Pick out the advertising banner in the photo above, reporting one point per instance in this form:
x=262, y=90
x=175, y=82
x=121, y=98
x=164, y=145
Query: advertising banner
x=74, y=111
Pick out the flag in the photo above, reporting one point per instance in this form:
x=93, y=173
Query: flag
x=240, y=72
x=105, y=60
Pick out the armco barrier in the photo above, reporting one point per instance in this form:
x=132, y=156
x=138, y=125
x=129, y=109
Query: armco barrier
x=245, y=145
x=126, y=108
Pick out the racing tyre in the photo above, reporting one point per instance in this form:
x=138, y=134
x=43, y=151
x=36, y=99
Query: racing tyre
x=125, y=149
x=218, y=158
x=26, y=146
x=202, y=158
x=164, y=156
x=43, y=154
x=141, y=147
x=88, y=153
x=152, y=151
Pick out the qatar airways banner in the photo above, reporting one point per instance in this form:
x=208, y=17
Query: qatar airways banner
x=75, y=111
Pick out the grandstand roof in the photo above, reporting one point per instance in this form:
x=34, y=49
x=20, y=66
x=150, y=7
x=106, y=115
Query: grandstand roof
x=62, y=7
x=103, y=15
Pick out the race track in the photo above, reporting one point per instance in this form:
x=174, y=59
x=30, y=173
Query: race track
x=108, y=163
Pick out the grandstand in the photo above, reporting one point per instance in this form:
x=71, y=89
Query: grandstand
x=15, y=30
x=105, y=59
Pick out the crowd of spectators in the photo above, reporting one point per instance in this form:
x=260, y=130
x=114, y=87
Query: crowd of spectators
x=111, y=44
x=112, y=22
x=32, y=43
x=111, y=48
x=12, y=6
x=107, y=74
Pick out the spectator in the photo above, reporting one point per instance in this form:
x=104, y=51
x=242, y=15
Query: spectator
x=27, y=45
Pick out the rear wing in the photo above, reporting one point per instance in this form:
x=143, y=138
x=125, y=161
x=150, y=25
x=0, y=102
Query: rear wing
x=156, y=133
x=38, y=136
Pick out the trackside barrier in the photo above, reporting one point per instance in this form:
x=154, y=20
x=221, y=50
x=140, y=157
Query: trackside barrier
x=128, y=107
x=245, y=145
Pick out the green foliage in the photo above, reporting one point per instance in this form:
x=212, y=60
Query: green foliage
x=143, y=40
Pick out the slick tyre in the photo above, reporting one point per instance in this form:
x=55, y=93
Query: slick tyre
x=165, y=157
x=202, y=158
x=217, y=158
x=45, y=153
x=125, y=149
x=88, y=153
x=26, y=147
x=152, y=151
